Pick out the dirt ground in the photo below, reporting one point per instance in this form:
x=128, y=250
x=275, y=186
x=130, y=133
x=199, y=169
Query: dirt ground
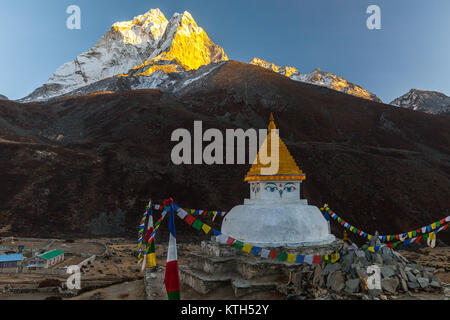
x=117, y=277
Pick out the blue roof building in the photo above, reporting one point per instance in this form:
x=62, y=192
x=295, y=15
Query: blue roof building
x=10, y=260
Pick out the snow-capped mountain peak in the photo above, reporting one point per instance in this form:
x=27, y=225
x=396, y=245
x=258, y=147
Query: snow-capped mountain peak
x=426, y=101
x=148, y=27
x=286, y=71
x=184, y=46
x=138, y=47
x=319, y=77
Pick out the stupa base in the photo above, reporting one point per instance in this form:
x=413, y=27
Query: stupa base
x=218, y=265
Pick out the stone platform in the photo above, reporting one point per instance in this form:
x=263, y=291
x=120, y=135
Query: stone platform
x=218, y=265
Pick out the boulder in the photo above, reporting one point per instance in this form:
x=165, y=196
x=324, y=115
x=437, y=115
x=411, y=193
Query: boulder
x=412, y=285
x=423, y=282
x=330, y=268
x=387, y=271
x=411, y=277
x=435, y=284
x=318, y=279
x=336, y=281
x=390, y=285
x=352, y=286
x=403, y=274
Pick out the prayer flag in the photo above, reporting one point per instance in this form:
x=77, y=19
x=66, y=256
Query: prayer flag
x=172, y=278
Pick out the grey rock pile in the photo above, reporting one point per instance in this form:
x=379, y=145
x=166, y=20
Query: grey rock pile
x=344, y=279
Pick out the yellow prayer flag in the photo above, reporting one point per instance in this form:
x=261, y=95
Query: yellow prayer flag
x=151, y=260
x=369, y=236
x=291, y=258
x=247, y=248
x=333, y=258
x=351, y=228
x=431, y=236
x=206, y=228
x=371, y=249
x=410, y=234
x=433, y=226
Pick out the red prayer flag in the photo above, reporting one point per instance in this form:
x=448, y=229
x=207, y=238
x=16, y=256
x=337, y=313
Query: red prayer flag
x=230, y=241
x=317, y=259
x=189, y=219
x=273, y=254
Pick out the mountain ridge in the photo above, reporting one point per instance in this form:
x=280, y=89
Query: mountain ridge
x=86, y=165
x=318, y=77
x=432, y=102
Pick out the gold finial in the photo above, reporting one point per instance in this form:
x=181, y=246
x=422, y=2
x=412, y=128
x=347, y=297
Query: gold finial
x=345, y=239
x=272, y=125
x=287, y=170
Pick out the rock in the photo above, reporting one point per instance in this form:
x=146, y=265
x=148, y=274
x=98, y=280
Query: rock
x=423, y=282
x=352, y=286
x=336, y=281
x=347, y=261
x=378, y=259
x=435, y=284
x=374, y=292
x=412, y=285
x=404, y=285
x=330, y=268
x=117, y=260
x=383, y=297
x=403, y=274
x=387, y=271
x=318, y=280
x=439, y=270
x=390, y=285
x=411, y=277
x=360, y=272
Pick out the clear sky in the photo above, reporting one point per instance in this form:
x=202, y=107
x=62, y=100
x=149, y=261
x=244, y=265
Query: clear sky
x=411, y=51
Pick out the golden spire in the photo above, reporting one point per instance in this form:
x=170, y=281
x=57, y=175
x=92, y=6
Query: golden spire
x=287, y=169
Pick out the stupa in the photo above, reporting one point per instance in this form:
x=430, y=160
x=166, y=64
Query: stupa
x=275, y=215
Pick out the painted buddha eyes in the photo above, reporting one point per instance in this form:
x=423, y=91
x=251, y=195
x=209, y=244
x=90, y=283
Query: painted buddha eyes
x=289, y=187
x=272, y=187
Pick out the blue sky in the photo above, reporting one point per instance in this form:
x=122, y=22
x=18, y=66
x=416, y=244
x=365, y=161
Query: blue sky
x=411, y=51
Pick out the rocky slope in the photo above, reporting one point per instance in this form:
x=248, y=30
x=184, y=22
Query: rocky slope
x=86, y=165
x=320, y=78
x=426, y=101
x=140, y=47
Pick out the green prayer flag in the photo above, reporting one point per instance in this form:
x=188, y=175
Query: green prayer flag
x=238, y=244
x=282, y=256
x=197, y=225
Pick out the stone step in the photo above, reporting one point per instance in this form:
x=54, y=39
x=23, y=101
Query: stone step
x=246, y=267
x=202, y=282
x=212, y=265
x=242, y=287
